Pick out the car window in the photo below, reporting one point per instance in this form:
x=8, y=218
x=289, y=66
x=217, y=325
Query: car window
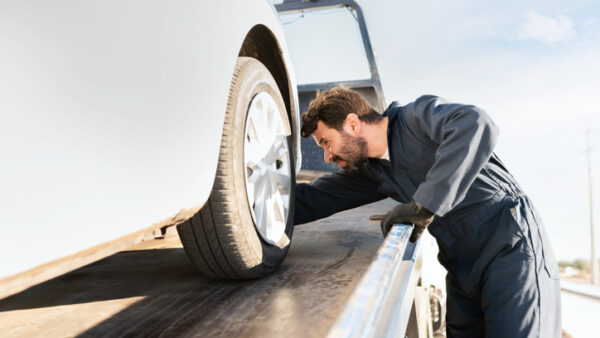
x=325, y=46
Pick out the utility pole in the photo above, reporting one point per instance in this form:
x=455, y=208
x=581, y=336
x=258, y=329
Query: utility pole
x=594, y=265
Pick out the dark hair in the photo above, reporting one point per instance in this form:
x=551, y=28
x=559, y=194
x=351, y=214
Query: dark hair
x=332, y=106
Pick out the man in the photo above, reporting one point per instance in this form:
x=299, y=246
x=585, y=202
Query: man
x=437, y=160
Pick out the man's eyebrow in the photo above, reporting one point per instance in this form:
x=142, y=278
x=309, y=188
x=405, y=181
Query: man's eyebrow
x=319, y=141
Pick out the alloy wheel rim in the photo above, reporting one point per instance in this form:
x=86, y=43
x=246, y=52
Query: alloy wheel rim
x=267, y=167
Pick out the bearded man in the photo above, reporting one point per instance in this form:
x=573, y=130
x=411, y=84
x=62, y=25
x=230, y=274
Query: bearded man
x=436, y=158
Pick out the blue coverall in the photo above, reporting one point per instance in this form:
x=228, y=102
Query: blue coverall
x=502, y=278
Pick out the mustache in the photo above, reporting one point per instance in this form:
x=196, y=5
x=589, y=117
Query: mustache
x=336, y=158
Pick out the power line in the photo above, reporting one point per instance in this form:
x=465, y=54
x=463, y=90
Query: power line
x=594, y=265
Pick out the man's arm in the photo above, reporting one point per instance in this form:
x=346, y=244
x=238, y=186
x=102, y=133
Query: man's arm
x=333, y=193
x=465, y=137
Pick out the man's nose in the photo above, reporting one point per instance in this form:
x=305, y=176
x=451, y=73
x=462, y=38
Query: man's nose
x=327, y=155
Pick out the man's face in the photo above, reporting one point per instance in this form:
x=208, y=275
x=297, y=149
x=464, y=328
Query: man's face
x=347, y=150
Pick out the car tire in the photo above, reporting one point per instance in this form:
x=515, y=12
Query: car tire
x=245, y=228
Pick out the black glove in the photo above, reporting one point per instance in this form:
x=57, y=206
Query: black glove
x=412, y=213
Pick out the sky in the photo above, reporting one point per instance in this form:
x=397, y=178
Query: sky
x=534, y=66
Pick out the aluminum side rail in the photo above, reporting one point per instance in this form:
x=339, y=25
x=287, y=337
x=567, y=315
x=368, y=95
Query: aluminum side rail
x=380, y=305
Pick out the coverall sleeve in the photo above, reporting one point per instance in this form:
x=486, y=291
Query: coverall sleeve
x=333, y=193
x=465, y=137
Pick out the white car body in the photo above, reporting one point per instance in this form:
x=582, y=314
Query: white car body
x=112, y=113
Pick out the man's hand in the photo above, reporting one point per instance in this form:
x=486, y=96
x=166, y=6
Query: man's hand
x=412, y=213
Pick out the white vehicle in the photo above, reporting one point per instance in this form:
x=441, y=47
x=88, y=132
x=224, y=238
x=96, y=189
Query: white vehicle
x=116, y=115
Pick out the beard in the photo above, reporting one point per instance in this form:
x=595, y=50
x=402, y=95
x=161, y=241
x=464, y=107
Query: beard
x=353, y=152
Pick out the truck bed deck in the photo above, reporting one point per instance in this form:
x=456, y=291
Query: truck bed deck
x=152, y=289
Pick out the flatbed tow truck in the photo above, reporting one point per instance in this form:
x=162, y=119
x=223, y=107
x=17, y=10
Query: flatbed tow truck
x=340, y=278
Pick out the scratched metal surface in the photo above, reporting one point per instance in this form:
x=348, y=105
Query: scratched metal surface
x=152, y=290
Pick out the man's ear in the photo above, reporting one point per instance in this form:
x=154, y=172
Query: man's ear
x=352, y=122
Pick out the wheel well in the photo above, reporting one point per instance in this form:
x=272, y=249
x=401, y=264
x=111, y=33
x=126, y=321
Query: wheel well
x=262, y=45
